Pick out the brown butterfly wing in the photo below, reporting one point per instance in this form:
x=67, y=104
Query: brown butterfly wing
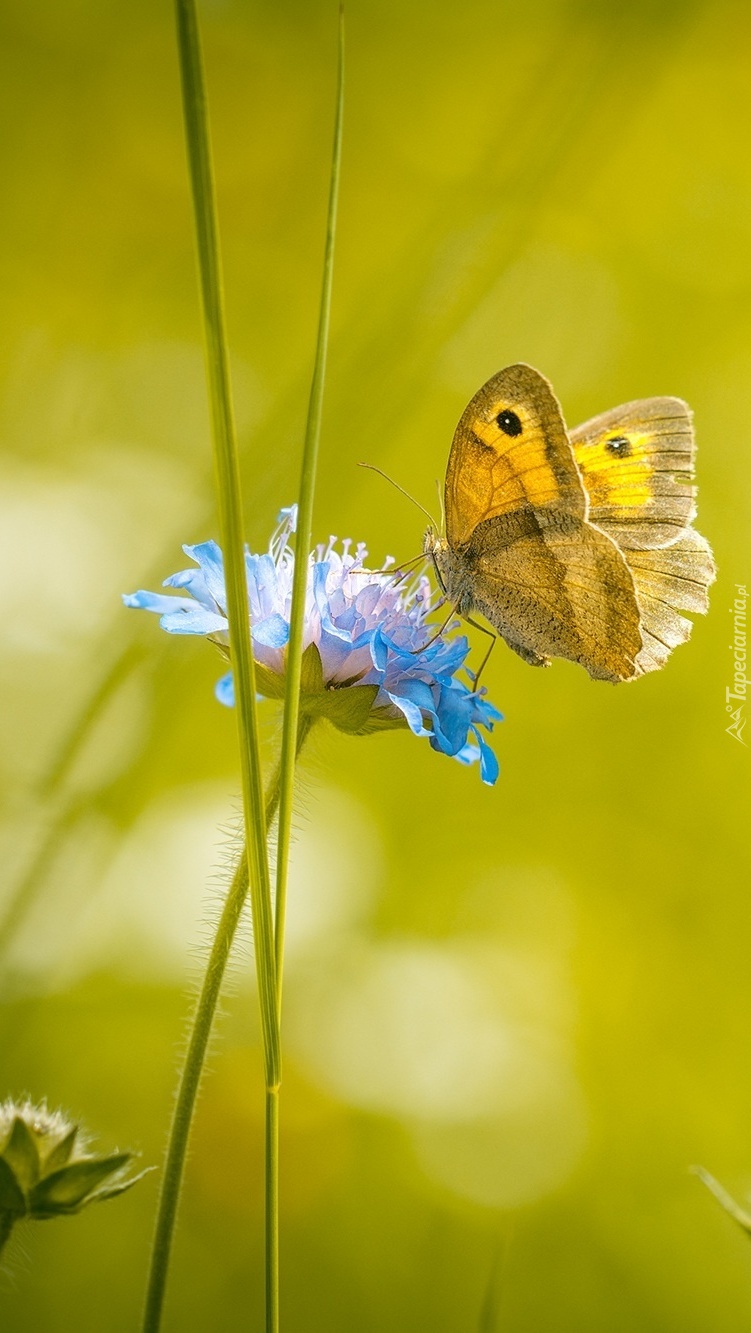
x=510, y=452
x=667, y=581
x=522, y=550
x=560, y=589
x=637, y=464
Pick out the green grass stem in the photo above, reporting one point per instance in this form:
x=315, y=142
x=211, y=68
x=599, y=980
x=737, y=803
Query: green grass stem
x=186, y=1096
x=304, y=535
x=190, y=1079
x=230, y=521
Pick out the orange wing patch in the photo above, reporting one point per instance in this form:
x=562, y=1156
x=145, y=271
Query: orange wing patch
x=510, y=451
x=637, y=464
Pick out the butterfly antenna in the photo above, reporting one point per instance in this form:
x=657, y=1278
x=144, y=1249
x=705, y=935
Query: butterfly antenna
x=372, y=468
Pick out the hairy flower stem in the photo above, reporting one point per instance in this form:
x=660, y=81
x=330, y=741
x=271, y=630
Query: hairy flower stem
x=188, y=1089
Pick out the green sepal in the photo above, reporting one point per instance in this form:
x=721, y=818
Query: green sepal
x=311, y=676
x=348, y=706
x=60, y=1154
x=70, y=1188
x=379, y=719
x=268, y=683
x=348, y=709
x=22, y=1154
x=272, y=686
x=112, y=1191
x=12, y=1198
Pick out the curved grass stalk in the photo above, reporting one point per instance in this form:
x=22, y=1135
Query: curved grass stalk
x=190, y=1077
x=230, y=520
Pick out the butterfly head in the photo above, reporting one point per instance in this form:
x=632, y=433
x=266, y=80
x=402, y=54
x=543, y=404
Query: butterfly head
x=449, y=570
x=431, y=540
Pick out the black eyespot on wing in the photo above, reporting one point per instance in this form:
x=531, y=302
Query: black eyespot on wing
x=509, y=423
x=619, y=446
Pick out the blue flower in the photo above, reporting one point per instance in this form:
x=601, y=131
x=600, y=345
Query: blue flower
x=371, y=659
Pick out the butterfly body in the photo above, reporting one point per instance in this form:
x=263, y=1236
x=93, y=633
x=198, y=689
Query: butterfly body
x=523, y=548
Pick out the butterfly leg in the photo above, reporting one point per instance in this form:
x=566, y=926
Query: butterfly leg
x=416, y=651
x=399, y=570
x=493, y=639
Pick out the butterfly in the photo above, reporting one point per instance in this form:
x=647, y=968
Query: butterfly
x=577, y=545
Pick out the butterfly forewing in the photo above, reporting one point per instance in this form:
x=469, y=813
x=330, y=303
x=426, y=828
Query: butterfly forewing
x=510, y=453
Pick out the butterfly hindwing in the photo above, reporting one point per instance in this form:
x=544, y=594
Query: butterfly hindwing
x=637, y=464
x=667, y=581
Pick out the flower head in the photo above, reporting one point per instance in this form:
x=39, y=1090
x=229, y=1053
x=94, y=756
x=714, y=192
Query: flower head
x=371, y=660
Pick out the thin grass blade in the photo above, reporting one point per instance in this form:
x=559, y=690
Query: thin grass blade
x=304, y=536
x=230, y=519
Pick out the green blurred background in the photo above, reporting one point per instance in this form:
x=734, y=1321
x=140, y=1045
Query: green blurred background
x=515, y=1016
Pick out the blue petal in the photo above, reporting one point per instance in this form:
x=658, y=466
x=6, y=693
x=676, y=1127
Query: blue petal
x=273, y=632
x=194, y=581
x=489, y=766
x=225, y=690
x=469, y=754
x=367, y=599
x=209, y=557
x=454, y=714
x=156, y=601
x=334, y=650
x=362, y=639
x=488, y=713
x=262, y=581
x=379, y=649
x=412, y=714
x=418, y=692
x=193, y=621
x=320, y=596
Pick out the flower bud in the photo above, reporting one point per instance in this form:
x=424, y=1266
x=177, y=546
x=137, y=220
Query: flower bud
x=47, y=1168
